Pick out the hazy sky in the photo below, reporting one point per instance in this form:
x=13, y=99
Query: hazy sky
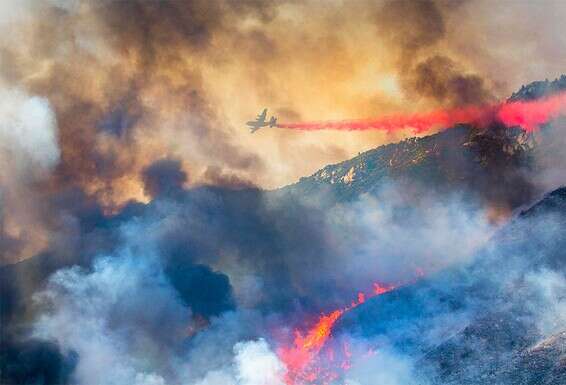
x=131, y=82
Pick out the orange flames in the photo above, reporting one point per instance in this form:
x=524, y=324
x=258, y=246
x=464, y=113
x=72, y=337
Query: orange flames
x=305, y=361
x=529, y=115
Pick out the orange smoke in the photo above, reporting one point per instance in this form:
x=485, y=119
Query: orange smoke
x=529, y=115
x=304, y=360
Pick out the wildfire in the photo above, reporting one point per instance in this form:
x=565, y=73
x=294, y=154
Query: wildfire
x=304, y=359
x=529, y=115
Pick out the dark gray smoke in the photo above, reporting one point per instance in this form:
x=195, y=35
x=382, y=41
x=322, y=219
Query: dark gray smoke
x=164, y=177
x=416, y=31
x=147, y=256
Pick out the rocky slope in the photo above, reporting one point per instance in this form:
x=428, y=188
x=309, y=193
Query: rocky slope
x=488, y=164
x=503, y=315
x=539, y=89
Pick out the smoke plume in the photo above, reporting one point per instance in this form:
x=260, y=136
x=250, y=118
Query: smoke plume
x=143, y=236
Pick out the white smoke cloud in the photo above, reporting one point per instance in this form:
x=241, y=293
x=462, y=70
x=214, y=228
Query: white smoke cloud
x=12, y=11
x=257, y=364
x=122, y=319
x=254, y=364
x=390, y=237
x=28, y=133
x=550, y=307
x=28, y=152
x=217, y=377
x=128, y=325
x=383, y=367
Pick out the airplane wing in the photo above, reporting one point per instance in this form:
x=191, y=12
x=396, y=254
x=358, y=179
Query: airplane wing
x=261, y=117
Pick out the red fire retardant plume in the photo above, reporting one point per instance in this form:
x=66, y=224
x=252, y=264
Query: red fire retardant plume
x=529, y=115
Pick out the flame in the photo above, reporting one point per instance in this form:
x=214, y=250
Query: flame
x=304, y=360
x=529, y=115
x=380, y=289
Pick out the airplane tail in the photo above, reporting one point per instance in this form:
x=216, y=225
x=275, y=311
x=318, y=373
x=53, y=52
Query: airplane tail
x=273, y=121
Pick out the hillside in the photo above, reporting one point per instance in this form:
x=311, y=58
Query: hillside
x=458, y=158
x=490, y=335
x=539, y=89
x=488, y=164
x=499, y=322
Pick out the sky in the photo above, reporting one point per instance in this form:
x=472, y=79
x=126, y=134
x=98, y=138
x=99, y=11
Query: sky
x=181, y=78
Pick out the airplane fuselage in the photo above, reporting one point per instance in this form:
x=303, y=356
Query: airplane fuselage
x=256, y=124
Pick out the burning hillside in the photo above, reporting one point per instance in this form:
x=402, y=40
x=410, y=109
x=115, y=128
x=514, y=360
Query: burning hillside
x=146, y=238
x=313, y=358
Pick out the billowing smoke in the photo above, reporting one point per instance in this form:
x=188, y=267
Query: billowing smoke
x=103, y=317
x=28, y=133
x=93, y=315
x=150, y=250
x=29, y=151
x=416, y=31
x=549, y=300
x=254, y=364
x=178, y=79
x=207, y=285
x=163, y=177
x=383, y=367
x=202, y=317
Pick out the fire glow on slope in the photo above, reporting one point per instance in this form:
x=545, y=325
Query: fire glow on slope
x=305, y=359
x=529, y=115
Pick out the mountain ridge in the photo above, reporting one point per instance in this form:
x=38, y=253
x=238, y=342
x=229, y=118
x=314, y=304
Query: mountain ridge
x=500, y=340
x=461, y=155
x=485, y=165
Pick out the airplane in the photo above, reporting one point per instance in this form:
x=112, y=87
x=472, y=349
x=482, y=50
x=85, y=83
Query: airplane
x=260, y=122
